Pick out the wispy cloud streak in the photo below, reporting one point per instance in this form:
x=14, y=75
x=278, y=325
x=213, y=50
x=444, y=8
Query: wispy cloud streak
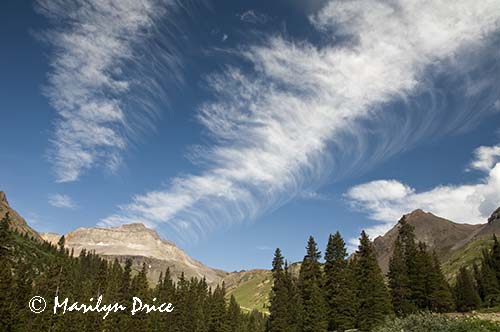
x=62, y=201
x=91, y=84
x=272, y=129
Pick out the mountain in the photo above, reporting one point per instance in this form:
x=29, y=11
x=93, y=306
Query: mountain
x=16, y=221
x=450, y=240
x=142, y=245
x=493, y=225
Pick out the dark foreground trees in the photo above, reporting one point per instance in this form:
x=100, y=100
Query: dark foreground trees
x=340, y=295
x=29, y=268
x=415, y=278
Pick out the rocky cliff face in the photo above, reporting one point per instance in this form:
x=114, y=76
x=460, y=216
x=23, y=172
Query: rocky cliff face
x=16, y=221
x=142, y=245
x=441, y=235
x=493, y=225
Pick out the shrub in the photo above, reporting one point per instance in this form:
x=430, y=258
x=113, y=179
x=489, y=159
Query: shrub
x=437, y=323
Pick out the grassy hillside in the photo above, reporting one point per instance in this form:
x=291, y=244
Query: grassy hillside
x=466, y=256
x=250, y=288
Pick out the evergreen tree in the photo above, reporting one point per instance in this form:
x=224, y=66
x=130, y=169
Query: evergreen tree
x=278, y=314
x=399, y=281
x=422, y=263
x=495, y=257
x=440, y=297
x=294, y=302
x=314, y=309
x=339, y=286
x=217, y=321
x=61, y=243
x=140, y=289
x=234, y=316
x=466, y=296
x=125, y=295
x=486, y=279
x=374, y=303
x=5, y=238
x=6, y=278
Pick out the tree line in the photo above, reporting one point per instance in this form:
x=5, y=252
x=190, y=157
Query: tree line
x=29, y=268
x=352, y=292
x=479, y=285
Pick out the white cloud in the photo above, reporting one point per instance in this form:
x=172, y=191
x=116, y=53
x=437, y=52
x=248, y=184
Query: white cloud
x=313, y=195
x=271, y=129
x=61, y=201
x=94, y=42
x=387, y=200
x=485, y=157
x=255, y=17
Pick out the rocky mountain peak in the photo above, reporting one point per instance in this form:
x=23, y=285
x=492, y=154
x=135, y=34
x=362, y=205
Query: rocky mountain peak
x=495, y=217
x=142, y=244
x=439, y=234
x=16, y=221
x=134, y=227
x=3, y=198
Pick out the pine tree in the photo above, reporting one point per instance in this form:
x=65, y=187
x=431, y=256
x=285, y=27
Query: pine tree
x=5, y=238
x=217, y=318
x=6, y=278
x=495, y=257
x=23, y=293
x=125, y=295
x=294, y=302
x=466, y=296
x=399, y=281
x=234, y=316
x=339, y=286
x=422, y=262
x=486, y=279
x=278, y=314
x=140, y=289
x=314, y=309
x=373, y=296
x=440, y=297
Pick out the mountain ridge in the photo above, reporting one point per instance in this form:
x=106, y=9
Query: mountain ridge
x=16, y=221
x=440, y=235
x=251, y=288
x=135, y=241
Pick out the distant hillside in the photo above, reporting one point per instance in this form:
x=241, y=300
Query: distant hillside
x=17, y=222
x=250, y=288
x=466, y=256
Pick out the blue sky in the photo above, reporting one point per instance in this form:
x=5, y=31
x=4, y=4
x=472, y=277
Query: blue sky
x=235, y=127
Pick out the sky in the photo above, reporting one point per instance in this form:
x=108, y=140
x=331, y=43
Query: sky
x=235, y=127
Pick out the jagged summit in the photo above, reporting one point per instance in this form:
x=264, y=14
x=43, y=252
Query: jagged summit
x=16, y=221
x=495, y=217
x=3, y=198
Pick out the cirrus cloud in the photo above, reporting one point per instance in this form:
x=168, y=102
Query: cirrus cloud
x=62, y=201
x=91, y=85
x=272, y=129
